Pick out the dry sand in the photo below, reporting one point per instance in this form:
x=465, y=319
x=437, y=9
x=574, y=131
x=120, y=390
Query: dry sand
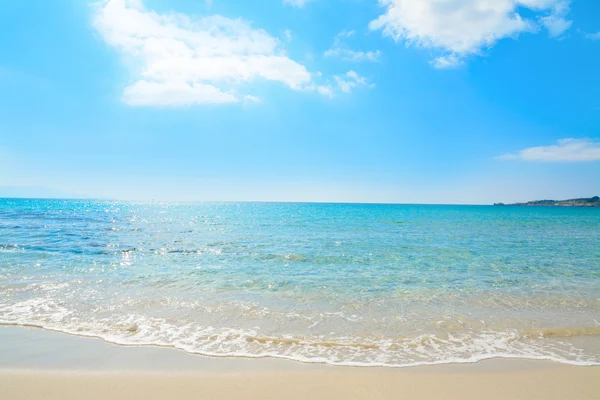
x=353, y=383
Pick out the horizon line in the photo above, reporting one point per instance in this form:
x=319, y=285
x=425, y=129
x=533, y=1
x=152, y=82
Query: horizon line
x=266, y=201
x=241, y=201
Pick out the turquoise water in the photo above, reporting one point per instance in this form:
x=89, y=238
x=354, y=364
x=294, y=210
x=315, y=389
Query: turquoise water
x=348, y=284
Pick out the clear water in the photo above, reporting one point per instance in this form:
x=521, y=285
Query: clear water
x=348, y=284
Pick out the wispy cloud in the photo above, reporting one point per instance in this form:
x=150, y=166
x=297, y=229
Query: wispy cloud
x=182, y=60
x=556, y=23
x=447, y=61
x=296, y=3
x=352, y=55
x=458, y=29
x=341, y=50
x=566, y=150
x=349, y=81
x=325, y=90
x=251, y=99
x=593, y=36
x=174, y=93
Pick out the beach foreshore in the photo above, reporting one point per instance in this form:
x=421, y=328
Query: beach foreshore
x=39, y=364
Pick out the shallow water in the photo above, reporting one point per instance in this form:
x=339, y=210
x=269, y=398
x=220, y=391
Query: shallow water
x=346, y=284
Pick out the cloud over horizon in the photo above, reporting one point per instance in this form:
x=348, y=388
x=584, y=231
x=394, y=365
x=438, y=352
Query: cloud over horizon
x=565, y=150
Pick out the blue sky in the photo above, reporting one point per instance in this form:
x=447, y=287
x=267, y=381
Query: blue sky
x=437, y=101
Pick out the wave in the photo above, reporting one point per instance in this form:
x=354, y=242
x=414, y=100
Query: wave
x=374, y=351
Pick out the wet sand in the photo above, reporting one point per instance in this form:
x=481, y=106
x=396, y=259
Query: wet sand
x=37, y=364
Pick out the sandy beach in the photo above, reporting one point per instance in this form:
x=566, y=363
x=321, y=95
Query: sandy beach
x=453, y=382
x=37, y=364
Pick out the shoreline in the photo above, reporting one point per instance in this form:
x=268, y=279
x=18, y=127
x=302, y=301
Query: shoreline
x=39, y=364
x=57, y=333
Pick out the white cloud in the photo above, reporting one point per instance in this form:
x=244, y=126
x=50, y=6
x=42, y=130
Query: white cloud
x=344, y=33
x=296, y=3
x=325, y=90
x=566, y=150
x=556, y=23
x=181, y=60
x=341, y=50
x=352, y=55
x=459, y=28
x=145, y=93
x=447, y=61
x=349, y=81
x=251, y=99
x=288, y=35
x=593, y=36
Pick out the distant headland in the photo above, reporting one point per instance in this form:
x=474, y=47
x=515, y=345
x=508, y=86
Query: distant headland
x=584, y=202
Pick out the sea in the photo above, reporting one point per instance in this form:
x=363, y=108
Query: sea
x=344, y=284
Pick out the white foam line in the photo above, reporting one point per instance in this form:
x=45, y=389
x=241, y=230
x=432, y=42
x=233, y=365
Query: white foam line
x=316, y=360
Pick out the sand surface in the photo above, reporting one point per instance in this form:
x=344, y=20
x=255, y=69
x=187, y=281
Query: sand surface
x=36, y=364
x=457, y=383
